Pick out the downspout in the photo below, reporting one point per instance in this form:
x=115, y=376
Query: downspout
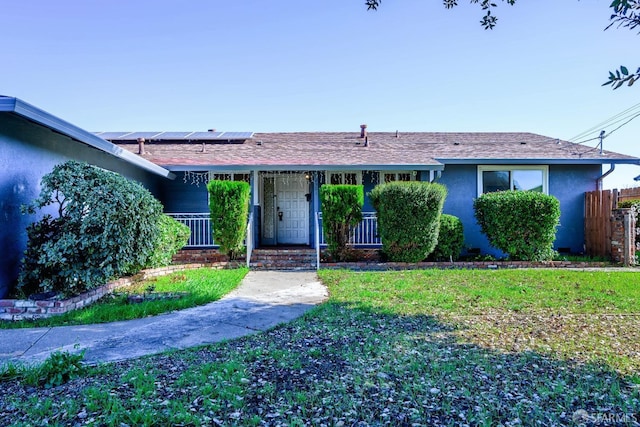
x=601, y=178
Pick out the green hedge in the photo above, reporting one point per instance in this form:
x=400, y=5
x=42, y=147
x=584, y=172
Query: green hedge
x=172, y=236
x=408, y=218
x=341, y=211
x=106, y=226
x=629, y=203
x=229, y=207
x=520, y=223
x=450, y=239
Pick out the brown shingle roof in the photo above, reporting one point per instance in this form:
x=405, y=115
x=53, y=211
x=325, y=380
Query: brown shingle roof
x=326, y=149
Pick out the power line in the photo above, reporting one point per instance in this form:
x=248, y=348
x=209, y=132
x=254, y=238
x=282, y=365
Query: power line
x=623, y=115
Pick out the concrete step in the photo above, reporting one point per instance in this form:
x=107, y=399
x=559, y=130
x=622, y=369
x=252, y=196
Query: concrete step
x=283, y=259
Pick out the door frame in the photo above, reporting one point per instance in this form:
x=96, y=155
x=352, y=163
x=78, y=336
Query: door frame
x=269, y=213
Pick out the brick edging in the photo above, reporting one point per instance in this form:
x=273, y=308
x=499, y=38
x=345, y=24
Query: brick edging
x=17, y=309
x=460, y=265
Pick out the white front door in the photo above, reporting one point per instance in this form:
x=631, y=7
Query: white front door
x=292, y=209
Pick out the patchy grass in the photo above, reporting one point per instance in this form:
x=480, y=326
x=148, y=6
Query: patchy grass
x=200, y=286
x=385, y=350
x=591, y=316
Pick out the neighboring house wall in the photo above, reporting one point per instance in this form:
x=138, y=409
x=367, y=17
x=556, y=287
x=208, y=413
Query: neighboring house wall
x=567, y=183
x=29, y=151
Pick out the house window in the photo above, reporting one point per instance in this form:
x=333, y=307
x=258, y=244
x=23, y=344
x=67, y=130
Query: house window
x=397, y=176
x=350, y=178
x=524, y=178
x=232, y=176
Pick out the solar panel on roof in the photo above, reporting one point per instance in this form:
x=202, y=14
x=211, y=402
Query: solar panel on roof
x=204, y=135
x=172, y=135
x=236, y=135
x=136, y=135
x=111, y=135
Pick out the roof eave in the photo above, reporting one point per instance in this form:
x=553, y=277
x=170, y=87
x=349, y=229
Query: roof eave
x=600, y=161
x=180, y=168
x=41, y=117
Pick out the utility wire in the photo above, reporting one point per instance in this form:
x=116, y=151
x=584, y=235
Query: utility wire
x=608, y=122
x=636, y=116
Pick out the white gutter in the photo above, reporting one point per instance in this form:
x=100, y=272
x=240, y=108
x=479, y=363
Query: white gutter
x=41, y=117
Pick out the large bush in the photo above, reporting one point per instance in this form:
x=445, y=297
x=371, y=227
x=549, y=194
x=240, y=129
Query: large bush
x=450, y=239
x=520, y=223
x=229, y=207
x=106, y=226
x=341, y=211
x=408, y=218
x=172, y=236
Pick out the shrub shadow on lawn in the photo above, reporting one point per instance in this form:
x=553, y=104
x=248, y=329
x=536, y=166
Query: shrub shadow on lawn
x=375, y=367
x=352, y=364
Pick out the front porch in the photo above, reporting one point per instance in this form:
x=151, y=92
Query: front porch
x=364, y=235
x=260, y=256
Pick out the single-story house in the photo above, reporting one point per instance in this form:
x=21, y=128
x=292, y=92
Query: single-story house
x=285, y=171
x=32, y=142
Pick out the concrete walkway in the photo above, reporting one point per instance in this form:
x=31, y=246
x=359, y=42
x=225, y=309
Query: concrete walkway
x=264, y=299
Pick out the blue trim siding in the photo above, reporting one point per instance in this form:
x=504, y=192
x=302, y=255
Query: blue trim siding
x=180, y=196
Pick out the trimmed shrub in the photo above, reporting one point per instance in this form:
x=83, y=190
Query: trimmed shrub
x=520, y=223
x=106, y=226
x=408, y=218
x=341, y=211
x=229, y=207
x=173, y=236
x=450, y=239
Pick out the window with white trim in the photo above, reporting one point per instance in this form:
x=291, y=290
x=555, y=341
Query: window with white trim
x=524, y=178
x=340, y=177
x=391, y=176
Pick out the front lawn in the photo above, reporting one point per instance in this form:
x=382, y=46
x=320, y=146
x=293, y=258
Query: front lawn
x=525, y=347
x=195, y=287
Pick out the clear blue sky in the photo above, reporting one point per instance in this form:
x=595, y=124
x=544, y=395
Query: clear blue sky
x=321, y=65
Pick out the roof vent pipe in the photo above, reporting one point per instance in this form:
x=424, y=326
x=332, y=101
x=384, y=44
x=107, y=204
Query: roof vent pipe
x=363, y=131
x=366, y=141
x=211, y=130
x=141, y=146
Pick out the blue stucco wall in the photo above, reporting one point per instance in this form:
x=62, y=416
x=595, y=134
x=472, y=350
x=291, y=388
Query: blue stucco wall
x=27, y=152
x=568, y=183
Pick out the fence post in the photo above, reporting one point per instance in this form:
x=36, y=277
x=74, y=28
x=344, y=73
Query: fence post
x=629, y=239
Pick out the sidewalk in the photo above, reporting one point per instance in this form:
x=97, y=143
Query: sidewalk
x=264, y=299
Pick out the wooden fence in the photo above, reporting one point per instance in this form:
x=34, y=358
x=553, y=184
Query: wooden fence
x=597, y=222
x=628, y=194
x=597, y=218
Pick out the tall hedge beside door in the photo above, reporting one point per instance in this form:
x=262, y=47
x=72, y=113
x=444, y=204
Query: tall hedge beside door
x=229, y=209
x=341, y=211
x=408, y=218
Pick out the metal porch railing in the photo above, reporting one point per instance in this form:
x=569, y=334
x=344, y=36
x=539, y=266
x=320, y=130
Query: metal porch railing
x=200, y=226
